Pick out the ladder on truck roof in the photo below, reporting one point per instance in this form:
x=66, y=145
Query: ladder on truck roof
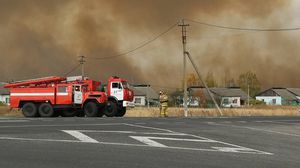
x=36, y=81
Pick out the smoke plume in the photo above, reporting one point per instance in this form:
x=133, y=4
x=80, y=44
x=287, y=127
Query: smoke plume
x=42, y=38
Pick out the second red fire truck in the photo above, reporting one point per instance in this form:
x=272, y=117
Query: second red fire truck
x=73, y=96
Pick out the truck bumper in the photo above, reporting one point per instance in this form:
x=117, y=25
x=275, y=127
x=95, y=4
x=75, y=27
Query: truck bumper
x=128, y=104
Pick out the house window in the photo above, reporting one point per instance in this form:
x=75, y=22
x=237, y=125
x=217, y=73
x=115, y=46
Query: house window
x=235, y=101
x=225, y=101
x=273, y=101
x=7, y=100
x=138, y=100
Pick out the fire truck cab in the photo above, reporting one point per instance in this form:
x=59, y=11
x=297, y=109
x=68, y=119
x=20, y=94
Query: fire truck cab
x=119, y=95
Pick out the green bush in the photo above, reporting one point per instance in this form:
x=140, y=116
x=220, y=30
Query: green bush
x=256, y=102
x=2, y=104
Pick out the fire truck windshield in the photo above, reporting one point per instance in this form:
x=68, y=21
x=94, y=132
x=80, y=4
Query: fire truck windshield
x=125, y=85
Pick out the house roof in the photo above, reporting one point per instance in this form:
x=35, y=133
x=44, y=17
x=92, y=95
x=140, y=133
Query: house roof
x=145, y=90
x=3, y=91
x=286, y=93
x=295, y=91
x=221, y=92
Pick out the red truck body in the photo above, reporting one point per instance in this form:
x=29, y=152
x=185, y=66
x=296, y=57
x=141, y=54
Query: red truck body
x=53, y=96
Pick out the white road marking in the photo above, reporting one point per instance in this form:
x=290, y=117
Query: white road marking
x=131, y=132
x=147, y=127
x=32, y=139
x=82, y=137
x=237, y=150
x=279, y=122
x=258, y=129
x=225, y=143
x=236, y=146
x=148, y=141
x=4, y=121
x=217, y=149
x=171, y=139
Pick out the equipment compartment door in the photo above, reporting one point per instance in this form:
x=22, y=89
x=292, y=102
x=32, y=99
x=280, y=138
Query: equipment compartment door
x=77, y=94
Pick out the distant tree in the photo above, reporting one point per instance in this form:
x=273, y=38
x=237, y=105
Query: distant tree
x=231, y=83
x=228, y=80
x=249, y=79
x=210, y=80
x=176, y=98
x=192, y=80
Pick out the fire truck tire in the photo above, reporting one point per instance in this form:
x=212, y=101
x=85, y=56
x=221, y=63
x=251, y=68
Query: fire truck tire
x=121, y=112
x=80, y=113
x=30, y=110
x=46, y=110
x=91, y=109
x=111, y=109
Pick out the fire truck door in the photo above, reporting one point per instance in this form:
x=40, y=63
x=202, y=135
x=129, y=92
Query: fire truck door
x=77, y=94
x=117, y=90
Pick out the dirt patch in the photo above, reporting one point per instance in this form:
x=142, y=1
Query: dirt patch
x=193, y=112
x=7, y=112
x=230, y=112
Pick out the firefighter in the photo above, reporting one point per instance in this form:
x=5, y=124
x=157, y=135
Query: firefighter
x=163, y=99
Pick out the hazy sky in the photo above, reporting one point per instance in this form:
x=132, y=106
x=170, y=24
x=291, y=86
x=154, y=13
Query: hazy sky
x=42, y=38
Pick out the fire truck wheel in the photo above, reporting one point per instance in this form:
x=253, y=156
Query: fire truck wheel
x=91, y=109
x=80, y=113
x=111, y=109
x=46, y=110
x=121, y=112
x=29, y=110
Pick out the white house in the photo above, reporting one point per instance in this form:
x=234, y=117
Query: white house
x=226, y=97
x=4, y=95
x=144, y=94
x=270, y=100
x=280, y=96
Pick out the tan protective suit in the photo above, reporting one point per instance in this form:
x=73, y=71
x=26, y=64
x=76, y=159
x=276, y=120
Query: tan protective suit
x=163, y=99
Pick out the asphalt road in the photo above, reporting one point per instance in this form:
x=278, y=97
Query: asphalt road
x=150, y=142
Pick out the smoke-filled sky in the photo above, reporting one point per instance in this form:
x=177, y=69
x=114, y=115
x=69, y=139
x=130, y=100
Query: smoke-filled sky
x=45, y=37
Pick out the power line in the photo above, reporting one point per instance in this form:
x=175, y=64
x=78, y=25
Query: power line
x=245, y=29
x=138, y=47
x=72, y=70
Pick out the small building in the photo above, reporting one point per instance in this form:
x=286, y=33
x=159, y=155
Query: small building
x=144, y=94
x=4, y=95
x=225, y=97
x=280, y=96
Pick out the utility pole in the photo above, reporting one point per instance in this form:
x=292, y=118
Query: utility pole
x=248, y=98
x=183, y=34
x=82, y=61
x=203, y=82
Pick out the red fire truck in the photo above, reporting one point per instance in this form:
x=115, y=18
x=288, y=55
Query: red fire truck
x=72, y=96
